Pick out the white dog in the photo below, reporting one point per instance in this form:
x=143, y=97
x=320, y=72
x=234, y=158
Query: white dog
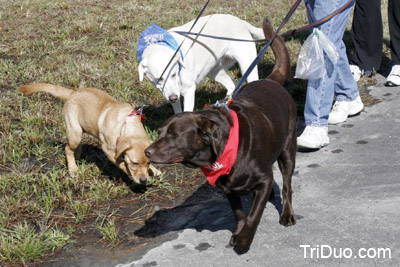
x=199, y=56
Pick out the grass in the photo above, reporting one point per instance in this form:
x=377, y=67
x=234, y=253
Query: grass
x=23, y=242
x=81, y=44
x=109, y=231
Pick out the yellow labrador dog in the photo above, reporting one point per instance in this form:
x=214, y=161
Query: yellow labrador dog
x=90, y=110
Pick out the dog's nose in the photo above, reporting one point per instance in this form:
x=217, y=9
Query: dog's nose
x=143, y=180
x=148, y=152
x=173, y=98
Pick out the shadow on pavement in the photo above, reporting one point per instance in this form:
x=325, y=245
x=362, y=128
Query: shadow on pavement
x=205, y=209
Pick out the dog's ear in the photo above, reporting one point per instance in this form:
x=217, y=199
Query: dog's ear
x=123, y=144
x=141, y=69
x=211, y=134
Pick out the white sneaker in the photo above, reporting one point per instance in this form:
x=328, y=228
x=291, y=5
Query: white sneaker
x=313, y=137
x=356, y=72
x=394, y=77
x=342, y=109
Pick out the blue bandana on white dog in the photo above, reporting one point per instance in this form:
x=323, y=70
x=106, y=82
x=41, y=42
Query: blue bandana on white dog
x=154, y=34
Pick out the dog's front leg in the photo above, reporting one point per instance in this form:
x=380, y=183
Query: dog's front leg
x=240, y=217
x=119, y=162
x=244, y=238
x=72, y=153
x=155, y=171
x=177, y=106
x=188, y=98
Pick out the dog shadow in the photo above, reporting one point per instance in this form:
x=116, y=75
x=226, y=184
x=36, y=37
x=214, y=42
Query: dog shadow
x=156, y=115
x=94, y=155
x=208, y=93
x=205, y=209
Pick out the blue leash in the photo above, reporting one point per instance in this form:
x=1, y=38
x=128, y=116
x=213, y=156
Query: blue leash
x=259, y=56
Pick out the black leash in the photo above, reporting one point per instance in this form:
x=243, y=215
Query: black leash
x=218, y=37
x=172, y=58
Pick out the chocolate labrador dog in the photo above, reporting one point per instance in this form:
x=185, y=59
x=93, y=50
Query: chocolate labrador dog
x=267, y=133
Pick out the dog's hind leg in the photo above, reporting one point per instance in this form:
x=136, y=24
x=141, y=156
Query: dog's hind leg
x=73, y=148
x=72, y=152
x=220, y=75
x=245, y=59
x=286, y=162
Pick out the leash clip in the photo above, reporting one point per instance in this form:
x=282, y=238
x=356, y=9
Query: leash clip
x=223, y=104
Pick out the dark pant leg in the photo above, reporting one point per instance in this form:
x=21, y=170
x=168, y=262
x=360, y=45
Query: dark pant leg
x=367, y=34
x=394, y=30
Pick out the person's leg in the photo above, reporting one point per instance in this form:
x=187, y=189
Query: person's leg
x=320, y=92
x=346, y=89
x=367, y=36
x=394, y=30
x=348, y=101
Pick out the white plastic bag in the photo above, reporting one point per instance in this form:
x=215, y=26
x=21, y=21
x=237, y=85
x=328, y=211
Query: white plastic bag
x=311, y=62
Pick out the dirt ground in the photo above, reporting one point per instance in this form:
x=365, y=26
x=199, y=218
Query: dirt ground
x=134, y=215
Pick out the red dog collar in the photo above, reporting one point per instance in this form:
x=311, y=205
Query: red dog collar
x=224, y=164
x=137, y=112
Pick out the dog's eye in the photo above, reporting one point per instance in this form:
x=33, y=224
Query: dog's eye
x=169, y=130
x=135, y=163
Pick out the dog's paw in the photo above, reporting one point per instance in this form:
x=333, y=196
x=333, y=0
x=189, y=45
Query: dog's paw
x=232, y=241
x=240, y=244
x=242, y=241
x=155, y=171
x=287, y=220
x=73, y=170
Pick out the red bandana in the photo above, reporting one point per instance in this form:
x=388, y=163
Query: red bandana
x=224, y=164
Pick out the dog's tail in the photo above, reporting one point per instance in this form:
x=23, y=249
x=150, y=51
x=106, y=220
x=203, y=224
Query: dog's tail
x=55, y=90
x=281, y=70
x=256, y=33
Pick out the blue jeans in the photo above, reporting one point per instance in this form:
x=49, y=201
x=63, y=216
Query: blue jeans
x=338, y=79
